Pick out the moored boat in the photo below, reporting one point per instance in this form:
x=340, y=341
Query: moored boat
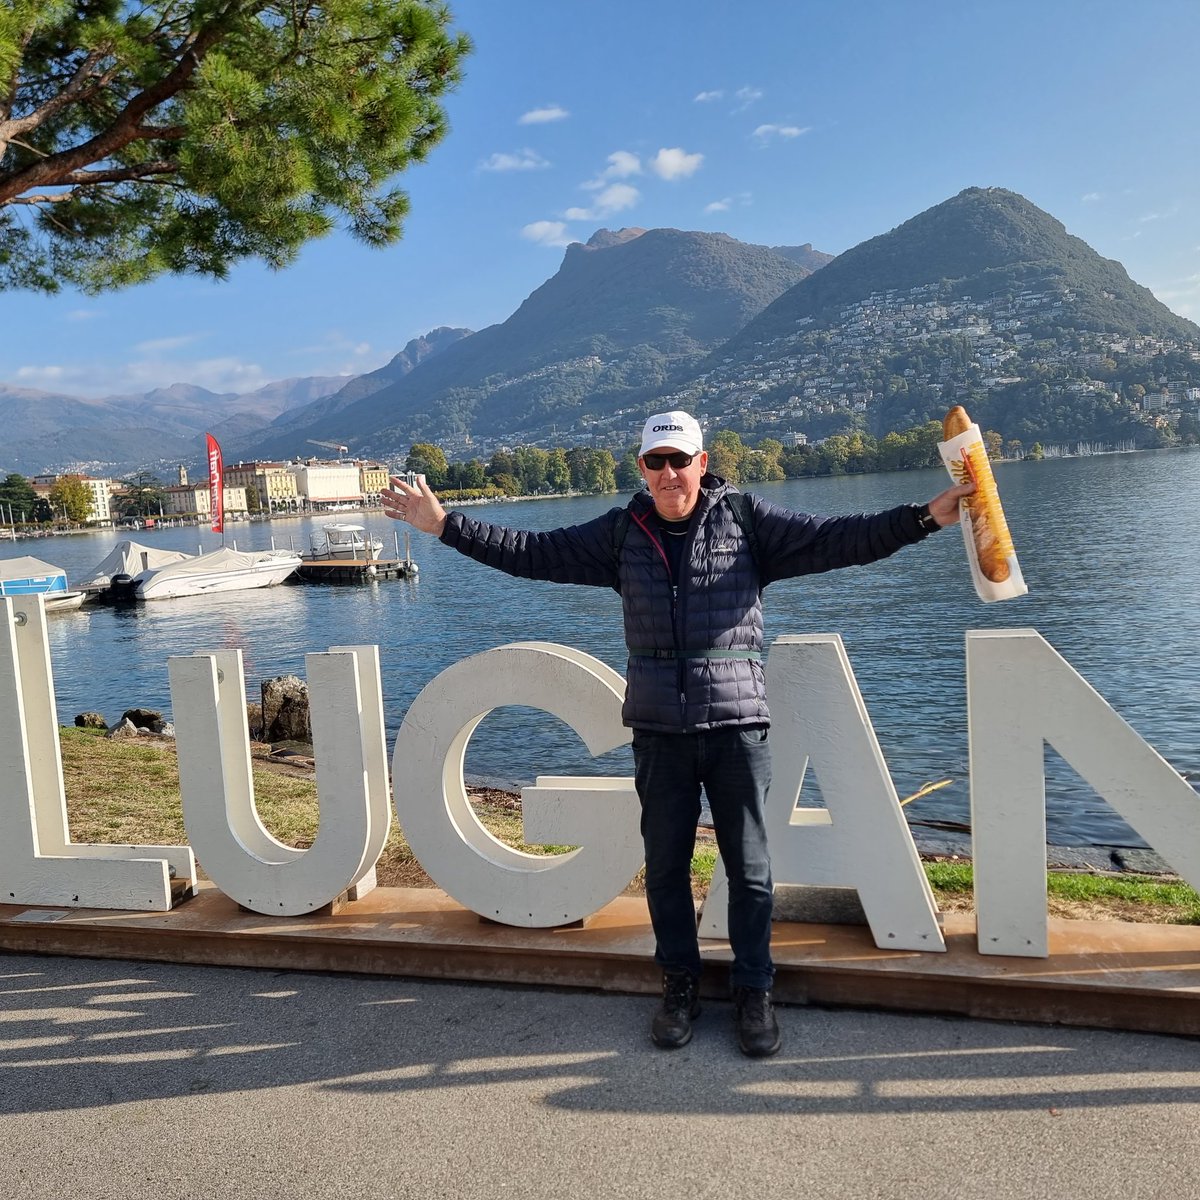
x=112, y=579
x=343, y=541
x=224, y=570
x=27, y=576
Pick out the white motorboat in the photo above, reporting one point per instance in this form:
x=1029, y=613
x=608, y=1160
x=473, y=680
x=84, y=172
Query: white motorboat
x=128, y=558
x=65, y=601
x=224, y=570
x=340, y=541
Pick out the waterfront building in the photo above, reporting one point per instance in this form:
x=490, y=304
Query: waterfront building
x=194, y=500
x=327, y=485
x=272, y=482
x=372, y=479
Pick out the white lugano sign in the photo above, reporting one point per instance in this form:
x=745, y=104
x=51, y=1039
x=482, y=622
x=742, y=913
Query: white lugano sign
x=1021, y=694
x=208, y=695
x=859, y=838
x=39, y=864
x=598, y=816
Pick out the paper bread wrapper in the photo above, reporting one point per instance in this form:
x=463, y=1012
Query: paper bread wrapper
x=956, y=453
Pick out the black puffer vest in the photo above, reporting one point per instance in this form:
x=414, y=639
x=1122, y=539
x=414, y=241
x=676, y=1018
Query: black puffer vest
x=695, y=642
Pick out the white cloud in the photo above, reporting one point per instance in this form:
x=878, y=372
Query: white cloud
x=142, y=375
x=542, y=116
x=83, y=314
x=767, y=133
x=704, y=97
x=675, y=163
x=37, y=376
x=621, y=164
x=1159, y=216
x=747, y=96
x=351, y=357
x=523, y=160
x=727, y=202
x=1090, y=198
x=217, y=374
x=614, y=199
x=547, y=233
x=159, y=345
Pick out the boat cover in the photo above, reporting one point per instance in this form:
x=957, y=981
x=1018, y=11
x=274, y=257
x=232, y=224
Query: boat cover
x=39, y=576
x=126, y=559
x=224, y=559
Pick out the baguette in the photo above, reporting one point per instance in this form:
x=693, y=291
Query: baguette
x=989, y=530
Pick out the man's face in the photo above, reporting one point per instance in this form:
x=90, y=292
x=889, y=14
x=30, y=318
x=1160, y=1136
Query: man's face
x=675, y=490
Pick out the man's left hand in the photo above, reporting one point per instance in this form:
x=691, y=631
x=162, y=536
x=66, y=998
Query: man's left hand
x=944, y=509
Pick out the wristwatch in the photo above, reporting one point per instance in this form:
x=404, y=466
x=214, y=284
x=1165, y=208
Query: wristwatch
x=926, y=519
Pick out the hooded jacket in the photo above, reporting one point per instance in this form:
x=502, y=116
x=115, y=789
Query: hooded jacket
x=695, y=643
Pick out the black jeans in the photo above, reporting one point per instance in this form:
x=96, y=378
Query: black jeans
x=734, y=767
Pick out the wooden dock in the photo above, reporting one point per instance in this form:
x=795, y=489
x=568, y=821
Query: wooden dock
x=355, y=570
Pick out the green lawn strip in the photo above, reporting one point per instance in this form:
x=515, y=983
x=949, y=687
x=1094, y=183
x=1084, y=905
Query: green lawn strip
x=1085, y=888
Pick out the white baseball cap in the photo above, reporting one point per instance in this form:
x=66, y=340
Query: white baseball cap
x=677, y=430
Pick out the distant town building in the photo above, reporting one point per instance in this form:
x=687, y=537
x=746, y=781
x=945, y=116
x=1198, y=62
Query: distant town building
x=100, y=507
x=326, y=485
x=195, y=499
x=372, y=479
x=272, y=482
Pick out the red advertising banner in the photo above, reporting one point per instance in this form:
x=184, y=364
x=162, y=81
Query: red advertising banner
x=216, y=484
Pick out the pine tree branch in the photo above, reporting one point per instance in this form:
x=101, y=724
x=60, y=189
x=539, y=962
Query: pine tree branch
x=75, y=89
x=53, y=169
x=84, y=179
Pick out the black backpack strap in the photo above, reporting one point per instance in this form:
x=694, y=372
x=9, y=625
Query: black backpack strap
x=619, y=530
x=742, y=508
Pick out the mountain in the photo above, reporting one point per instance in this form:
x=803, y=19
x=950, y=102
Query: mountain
x=981, y=242
x=280, y=440
x=805, y=255
x=984, y=300
x=120, y=434
x=622, y=314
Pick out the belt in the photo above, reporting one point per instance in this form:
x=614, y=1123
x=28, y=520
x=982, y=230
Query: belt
x=711, y=652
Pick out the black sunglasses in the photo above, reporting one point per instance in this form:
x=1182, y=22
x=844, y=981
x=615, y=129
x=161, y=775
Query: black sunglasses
x=677, y=459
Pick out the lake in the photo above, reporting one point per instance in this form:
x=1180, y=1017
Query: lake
x=1109, y=545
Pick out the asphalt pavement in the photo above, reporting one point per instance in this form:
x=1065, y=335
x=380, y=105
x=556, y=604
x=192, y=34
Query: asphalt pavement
x=124, y=1079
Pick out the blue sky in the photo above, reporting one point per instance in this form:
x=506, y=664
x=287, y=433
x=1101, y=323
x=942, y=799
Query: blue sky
x=823, y=121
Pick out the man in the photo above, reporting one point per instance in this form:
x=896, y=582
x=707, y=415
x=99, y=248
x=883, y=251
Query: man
x=689, y=557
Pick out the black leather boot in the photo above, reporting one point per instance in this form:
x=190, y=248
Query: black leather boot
x=757, y=1029
x=672, y=1025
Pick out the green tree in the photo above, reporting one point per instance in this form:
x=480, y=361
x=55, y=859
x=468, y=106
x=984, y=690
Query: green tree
x=467, y=475
x=726, y=451
x=628, y=477
x=143, y=496
x=186, y=135
x=558, y=471
x=597, y=473
x=72, y=497
x=993, y=444
x=429, y=460
x=531, y=466
x=772, y=451
x=1189, y=430
x=17, y=495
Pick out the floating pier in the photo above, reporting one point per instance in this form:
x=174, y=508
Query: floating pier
x=355, y=570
